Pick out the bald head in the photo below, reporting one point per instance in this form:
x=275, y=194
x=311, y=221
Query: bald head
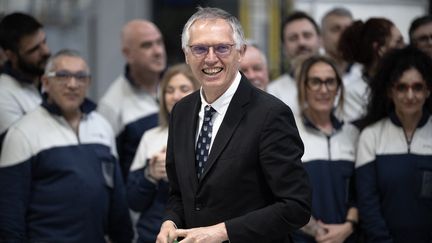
x=142, y=46
x=135, y=28
x=254, y=67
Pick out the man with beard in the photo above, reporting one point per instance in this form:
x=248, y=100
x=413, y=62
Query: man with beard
x=130, y=104
x=301, y=39
x=24, y=43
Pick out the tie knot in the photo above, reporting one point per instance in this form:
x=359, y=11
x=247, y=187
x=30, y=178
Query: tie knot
x=209, y=111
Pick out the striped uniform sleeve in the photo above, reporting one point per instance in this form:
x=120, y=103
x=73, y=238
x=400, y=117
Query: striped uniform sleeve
x=368, y=198
x=140, y=190
x=15, y=184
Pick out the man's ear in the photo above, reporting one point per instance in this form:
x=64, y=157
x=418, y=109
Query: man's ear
x=186, y=57
x=242, y=52
x=380, y=50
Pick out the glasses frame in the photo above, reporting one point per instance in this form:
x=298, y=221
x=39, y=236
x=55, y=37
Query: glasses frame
x=207, y=47
x=80, y=77
x=322, y=82
x=406, y=87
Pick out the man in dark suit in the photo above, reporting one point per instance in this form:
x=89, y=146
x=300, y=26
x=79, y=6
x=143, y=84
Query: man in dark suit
x=233, y=155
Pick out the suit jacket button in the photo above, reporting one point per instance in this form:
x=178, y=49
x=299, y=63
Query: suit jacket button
x=198, y=207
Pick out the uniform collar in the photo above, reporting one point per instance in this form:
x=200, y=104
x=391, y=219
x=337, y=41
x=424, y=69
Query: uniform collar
x=336, y=123
x=423, y=120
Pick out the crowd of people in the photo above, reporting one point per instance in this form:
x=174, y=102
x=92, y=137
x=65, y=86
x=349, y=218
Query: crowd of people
x=337, y=149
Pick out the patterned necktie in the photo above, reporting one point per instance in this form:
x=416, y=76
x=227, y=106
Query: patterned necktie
x=204, y=139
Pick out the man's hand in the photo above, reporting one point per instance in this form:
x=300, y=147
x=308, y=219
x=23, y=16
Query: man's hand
x=211, y=234
x=167, y=232
x=156, y=167
x=336, y=233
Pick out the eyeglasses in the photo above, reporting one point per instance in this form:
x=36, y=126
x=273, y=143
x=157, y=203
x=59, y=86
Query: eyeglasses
x=221, y=50
x=423, y=39
x=63, y=76
x=314, y=84
x=403, y=88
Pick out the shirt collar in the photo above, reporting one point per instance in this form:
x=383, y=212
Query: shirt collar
x=336, y=123
x=221, y=104
x=423, y=120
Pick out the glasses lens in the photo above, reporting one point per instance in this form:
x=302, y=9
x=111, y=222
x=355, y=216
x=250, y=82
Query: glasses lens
x=222, y=49
x=418, y=87
x=63, y=75
x=331, y=84
x=314, y=83
x=199, y=50
x=82, y=76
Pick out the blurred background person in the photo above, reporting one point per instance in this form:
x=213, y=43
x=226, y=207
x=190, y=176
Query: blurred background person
x=60, y=180
x=301, y=39
x=333, y=24
x=23, y=41
x=365, y=43
x=329, y=157
x=394, y=159
x=420, y=34
x=254, y=66
x=130, y=104
x=147, y=188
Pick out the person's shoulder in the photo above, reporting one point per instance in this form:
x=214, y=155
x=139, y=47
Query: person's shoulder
x=188, y=100
x=116, y=90
x=375, y=129
x=97, y=118
x=8, y=83
x=155, y=131
x=269, y=101
x=281, y=84
x=33, y=119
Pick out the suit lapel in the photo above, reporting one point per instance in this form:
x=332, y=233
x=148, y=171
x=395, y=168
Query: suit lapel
x=234, y=114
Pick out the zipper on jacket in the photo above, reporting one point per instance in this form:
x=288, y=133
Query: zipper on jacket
x=409, y=140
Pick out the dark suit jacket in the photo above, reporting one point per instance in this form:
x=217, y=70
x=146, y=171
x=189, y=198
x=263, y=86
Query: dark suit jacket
x=253, y=180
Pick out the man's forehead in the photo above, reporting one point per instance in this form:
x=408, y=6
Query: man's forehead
x=300, y=25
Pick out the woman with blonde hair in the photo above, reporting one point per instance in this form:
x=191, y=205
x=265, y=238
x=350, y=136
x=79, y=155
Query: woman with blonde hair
x=329, y=153
x=147, y=186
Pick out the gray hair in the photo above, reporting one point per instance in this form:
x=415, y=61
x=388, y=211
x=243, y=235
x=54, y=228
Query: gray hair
x=64, y=52
x=339, y=11
x=214, y=13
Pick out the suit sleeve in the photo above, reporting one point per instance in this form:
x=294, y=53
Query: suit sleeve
x=15, y=181
x=368, y=198
x=280, y=152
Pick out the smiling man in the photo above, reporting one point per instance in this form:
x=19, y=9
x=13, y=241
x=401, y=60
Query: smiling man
x=59, y=177
x=24, y=43
x=233, y=154
x=130, y=104
x=254, y=67
x=301, y=39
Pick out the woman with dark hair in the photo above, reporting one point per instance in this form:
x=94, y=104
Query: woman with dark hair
x=329, y=153
x=364, y=43
x=147, y=187
x=394, y=157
